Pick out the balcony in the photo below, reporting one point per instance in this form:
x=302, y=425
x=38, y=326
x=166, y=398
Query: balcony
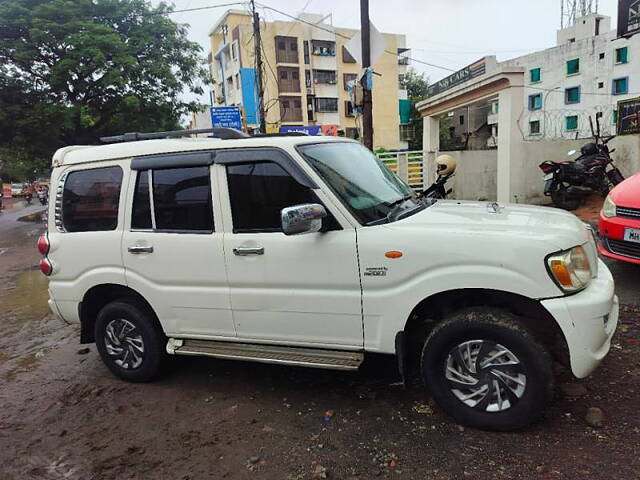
x=286, y=49
x=288, y=80
x=403, y=56
x=324, y=77
x=290, y=109
x=323, y=48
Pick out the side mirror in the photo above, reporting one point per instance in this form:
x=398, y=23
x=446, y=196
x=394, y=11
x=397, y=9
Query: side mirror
x=571, y=153
x=306, y=218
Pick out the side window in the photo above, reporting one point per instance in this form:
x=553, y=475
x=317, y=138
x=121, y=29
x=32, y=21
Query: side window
x=90, y=200
x=181, y=200
x=259, y=191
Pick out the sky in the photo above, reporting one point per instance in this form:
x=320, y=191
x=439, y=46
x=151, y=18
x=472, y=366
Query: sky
x=447, y=33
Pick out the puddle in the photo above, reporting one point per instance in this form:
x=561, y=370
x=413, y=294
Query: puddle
x=25, y=300
x=33, y=217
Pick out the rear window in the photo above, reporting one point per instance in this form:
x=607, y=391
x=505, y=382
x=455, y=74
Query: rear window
x=90, y=200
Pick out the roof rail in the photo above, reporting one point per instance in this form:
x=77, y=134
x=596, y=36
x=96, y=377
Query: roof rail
x=223, y=133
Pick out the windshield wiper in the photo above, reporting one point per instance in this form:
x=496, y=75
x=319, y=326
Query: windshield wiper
x=395, y=206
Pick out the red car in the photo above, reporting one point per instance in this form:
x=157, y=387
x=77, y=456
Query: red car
x=620, y=222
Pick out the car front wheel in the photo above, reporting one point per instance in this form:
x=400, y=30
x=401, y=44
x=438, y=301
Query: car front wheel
x=486, y=371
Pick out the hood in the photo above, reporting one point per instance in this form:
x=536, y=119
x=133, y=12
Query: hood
x=627, y=193
x=508, y=222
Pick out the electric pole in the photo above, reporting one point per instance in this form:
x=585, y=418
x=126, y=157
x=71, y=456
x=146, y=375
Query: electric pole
x=367, y=110
x=257, y=42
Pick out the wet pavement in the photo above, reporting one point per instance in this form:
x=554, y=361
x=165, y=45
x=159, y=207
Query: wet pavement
x=63, y=415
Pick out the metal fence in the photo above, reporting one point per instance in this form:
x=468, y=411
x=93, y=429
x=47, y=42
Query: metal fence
x=409, y=166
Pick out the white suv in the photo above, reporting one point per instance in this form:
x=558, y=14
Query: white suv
x=308, y=251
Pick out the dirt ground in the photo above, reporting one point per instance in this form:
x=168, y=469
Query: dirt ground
x=64, y=416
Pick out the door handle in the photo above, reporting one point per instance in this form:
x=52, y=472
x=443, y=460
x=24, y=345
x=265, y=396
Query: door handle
x=137, y=249
x=244, y=251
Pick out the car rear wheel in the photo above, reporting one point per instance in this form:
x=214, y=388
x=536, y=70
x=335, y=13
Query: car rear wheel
x=486, y=371
x=130, y=343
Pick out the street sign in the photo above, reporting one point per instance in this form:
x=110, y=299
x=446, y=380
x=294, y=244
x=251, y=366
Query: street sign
x=628, y=17
x=226, y=117
x=378, y=44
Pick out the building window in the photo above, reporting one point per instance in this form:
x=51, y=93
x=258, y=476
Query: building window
x=290, y=109
x=401, y=83
x=572, y=95
x=286, y=49
x=323, y=48
x=324, y=76
x=305, y=51
x=535, y=101
x=288, y=79
x=622, y=55
x=234, y=50
x=346, y=56
x=348, y=109
x=573, y=66
x=614, y=117
x=406, y=132
x=237, y=81
x=571, y=123
x=620, y=86
x=534, y=127
x=351, y=132
x=461, y=119
x=601, y=56
x=348, y=77
x=600, y=84
x=495, y=107
x=327, y=105
x=535, y=75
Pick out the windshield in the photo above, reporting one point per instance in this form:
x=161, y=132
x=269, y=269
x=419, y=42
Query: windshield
x=370, y=190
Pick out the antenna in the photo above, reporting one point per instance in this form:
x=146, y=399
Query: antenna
x=570, y=10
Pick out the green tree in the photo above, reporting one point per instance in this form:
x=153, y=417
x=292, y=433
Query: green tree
x=72, y=71
x=417, y=87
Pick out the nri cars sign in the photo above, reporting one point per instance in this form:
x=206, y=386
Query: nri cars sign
x=461, y=76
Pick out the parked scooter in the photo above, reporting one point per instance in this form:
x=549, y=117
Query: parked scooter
x=569, y=183
x=445, y=169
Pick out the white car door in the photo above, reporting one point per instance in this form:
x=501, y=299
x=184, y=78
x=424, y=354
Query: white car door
x=173, y=251
x=302, y=289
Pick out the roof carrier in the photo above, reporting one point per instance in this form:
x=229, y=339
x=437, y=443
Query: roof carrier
x=223, y=133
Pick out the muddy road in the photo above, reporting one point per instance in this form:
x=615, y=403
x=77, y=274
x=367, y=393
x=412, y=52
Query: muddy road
x=64, y=416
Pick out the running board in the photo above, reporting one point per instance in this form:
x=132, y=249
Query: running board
x=304, y=357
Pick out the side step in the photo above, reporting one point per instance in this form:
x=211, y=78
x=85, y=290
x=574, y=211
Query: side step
x=304, y=357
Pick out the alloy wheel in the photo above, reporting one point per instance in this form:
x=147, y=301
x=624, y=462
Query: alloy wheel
x=124, y=342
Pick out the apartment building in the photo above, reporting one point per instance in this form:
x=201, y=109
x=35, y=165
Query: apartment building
x=306, y=70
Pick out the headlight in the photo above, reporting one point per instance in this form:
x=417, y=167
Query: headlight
x=608, y=208
x=570, y=269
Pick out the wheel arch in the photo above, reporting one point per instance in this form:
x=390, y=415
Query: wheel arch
x=100, y=295
x=530, y=312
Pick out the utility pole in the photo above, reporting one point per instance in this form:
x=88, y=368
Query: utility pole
x=367, y=110
x=257, y=42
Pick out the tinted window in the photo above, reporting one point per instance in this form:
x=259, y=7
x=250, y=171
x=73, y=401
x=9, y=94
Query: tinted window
x=182, y=199
x=258, y=192
x=141, y=218
x=90, y=199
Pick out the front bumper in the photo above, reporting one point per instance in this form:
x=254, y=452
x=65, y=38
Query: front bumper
x=588, y=321
x=613, y=228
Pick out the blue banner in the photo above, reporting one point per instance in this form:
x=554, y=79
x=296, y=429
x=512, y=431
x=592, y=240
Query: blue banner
x=310, y=130
x=226, y=117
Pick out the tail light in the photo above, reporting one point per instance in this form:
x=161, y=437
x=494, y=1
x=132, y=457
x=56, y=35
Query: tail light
x=46, y=267
x=43, y=244
x=546, y=168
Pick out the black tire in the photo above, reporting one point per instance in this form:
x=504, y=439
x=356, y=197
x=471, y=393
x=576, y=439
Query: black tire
x=563, y=199
x=151, y=360
x=500, y=329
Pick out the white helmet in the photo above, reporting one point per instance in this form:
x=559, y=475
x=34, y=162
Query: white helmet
x=445, y=164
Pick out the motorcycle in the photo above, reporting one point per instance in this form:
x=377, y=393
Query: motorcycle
x=569, y=183
x=28, y=197
x=42, y=196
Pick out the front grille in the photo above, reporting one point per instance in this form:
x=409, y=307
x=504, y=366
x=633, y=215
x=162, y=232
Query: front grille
x=628, y=212
x=626, y=249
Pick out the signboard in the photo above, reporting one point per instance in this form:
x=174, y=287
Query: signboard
x=461, y=76
x=629, y=116
x=226, y=117
x=309, y=130
x=628, y=17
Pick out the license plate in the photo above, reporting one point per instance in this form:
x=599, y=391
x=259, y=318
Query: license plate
x=632, y=235
x=548, y=176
